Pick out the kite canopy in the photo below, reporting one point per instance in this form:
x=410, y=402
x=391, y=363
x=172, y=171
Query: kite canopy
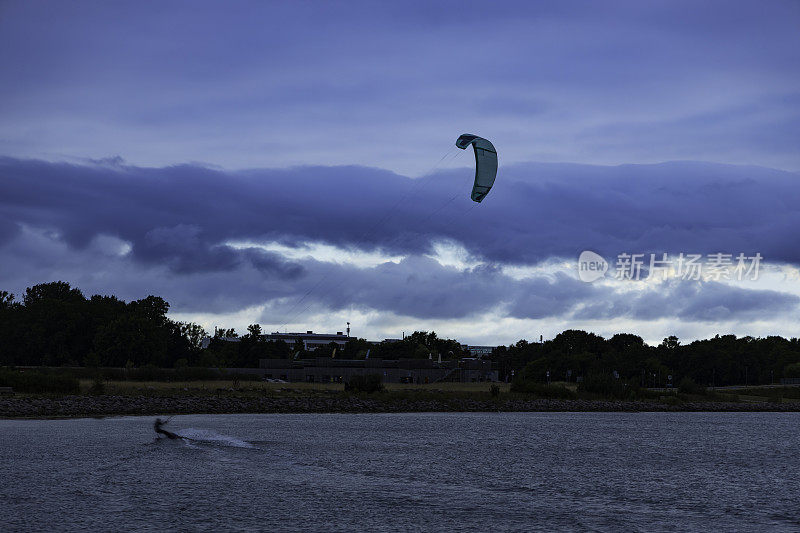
x=485, y=164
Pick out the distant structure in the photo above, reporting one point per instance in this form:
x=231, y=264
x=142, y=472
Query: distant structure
x=332, y=370
x=311, y=341
x=478, y=351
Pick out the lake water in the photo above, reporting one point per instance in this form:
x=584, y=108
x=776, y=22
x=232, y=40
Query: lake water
x=440, y=471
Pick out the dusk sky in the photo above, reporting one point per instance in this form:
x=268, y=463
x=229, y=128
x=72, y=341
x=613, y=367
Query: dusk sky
x=293, y=163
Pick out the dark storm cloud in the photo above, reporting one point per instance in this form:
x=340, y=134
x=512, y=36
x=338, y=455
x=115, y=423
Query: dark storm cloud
x=688, y=301
x=8, y=229
x=714, y=302
x=183, y=216
x=552, y=296
x=416, y=287
x=177, y=221
x=671, y=207
x=422, y=288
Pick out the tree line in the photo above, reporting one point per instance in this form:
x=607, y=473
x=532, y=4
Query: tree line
x=54, y=325
x=722, y=360
x=250, y=347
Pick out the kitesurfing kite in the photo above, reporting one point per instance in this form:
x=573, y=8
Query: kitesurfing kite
x=485, y=164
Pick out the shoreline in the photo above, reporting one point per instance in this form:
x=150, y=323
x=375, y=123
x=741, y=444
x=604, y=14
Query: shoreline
x=42, y=407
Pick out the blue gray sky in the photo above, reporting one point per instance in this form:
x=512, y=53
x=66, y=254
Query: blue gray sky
x=281, y=162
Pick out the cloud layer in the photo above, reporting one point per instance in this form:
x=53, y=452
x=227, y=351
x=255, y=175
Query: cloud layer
x=182, y=216
x=111, y=227
x=311, y=119
x=268, y=84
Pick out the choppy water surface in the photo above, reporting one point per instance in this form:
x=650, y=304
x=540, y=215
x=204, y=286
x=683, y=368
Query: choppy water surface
x=455, y=471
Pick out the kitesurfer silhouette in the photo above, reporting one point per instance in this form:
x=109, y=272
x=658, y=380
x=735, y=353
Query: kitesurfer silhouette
x=161, y=431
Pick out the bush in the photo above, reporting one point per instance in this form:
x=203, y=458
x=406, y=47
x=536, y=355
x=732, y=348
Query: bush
x=792, y=370
x=789, y=393
x=688, y=386
x=671, y=400
x=607, y=386
x=540, y=390
x=38, y=382
x=98, y=387
x=369, y=383
x=152, y=373
x=494, y=390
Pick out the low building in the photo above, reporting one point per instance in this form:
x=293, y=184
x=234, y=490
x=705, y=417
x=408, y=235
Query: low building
x=479, y=351
x=335, y=370
x=311, y=341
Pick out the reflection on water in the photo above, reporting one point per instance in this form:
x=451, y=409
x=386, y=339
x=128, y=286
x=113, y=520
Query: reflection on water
x=465, y=471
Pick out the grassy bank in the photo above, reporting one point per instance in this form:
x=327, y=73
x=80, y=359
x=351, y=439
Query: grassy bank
x=259, y=388
x=434, y=391
x=39, y=382
x=54, y=393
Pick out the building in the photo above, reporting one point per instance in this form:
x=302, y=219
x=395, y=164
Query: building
x=479, y=351
x=335, y=370
x=311, y=341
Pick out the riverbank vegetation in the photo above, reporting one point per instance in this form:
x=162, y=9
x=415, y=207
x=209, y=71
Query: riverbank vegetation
x=102, y=337
x=625, y=363
x=102, y=397
x=39, y=382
